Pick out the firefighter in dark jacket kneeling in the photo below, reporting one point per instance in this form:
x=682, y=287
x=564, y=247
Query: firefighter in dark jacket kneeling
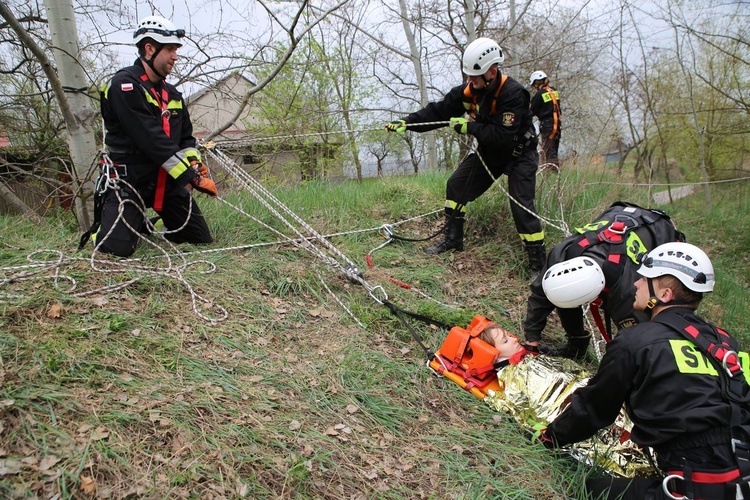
x=151, y=149
x=682, y=384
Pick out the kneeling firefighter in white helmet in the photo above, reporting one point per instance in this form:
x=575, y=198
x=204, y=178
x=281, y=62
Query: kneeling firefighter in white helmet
x=611, y=245
x=151, y=150
x=683, y=383
x=494, y=109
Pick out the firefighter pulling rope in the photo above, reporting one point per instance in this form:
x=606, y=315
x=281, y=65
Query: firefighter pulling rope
x=500, y=121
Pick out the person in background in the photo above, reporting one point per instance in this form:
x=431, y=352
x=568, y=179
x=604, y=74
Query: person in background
x=682, y=385
x=151, y=145
x=545, y=105
x=498, y=117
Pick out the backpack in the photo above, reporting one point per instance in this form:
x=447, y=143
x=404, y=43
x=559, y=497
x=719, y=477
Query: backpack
x=630, y=231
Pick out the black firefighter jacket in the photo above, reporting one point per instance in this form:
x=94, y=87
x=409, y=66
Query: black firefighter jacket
x=132, y=110
x=497, y=134
x=668, y=387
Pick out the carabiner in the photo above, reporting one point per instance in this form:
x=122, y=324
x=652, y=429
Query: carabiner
x=386, y=231
x=665, y=487
x=724, y=363
x=372, y=294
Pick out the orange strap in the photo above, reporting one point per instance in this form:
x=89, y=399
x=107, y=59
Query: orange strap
x=555, y=111
x=475, y=107
x=493, y=109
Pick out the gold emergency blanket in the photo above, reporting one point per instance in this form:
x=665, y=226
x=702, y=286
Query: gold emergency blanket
x=539, y=389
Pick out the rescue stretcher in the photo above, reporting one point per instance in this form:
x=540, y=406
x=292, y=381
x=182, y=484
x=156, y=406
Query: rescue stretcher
x=468, y=360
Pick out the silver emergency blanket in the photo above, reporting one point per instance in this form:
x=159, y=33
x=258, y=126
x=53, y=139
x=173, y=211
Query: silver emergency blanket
x=539, y=389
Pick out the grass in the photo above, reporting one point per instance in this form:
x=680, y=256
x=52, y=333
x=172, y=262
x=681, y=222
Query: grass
x=131, y=394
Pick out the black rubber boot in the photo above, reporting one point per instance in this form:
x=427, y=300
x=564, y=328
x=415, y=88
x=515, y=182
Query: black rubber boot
x=537, y=256
x=576, y=348
x=454, y=234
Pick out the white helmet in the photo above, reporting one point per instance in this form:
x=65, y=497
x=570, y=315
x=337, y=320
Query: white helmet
x=537, y=75
x=158, y=29
x=480, y=55
x=684, y=261
x=573, y=282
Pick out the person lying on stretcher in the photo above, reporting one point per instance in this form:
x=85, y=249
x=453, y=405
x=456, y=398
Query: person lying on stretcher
x=510, y=350
x=471, y=356
x=485, y=359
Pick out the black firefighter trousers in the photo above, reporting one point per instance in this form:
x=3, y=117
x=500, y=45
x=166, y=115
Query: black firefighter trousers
x=178, y=205
x=471, y=179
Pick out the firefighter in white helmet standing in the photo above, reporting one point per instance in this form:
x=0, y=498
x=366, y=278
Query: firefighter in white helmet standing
x=494, y=109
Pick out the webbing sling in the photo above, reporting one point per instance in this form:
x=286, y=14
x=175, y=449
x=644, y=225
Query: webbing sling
x=731, y=377
x=555, y=111
x=606, y=331
x=474, y=107
x=161, y=178
x=399, y=313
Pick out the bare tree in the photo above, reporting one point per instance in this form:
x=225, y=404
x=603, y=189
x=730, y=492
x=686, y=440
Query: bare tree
x=294, y=40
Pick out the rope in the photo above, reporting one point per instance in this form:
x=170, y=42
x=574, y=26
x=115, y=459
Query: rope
x=309, y=243
x=228, y=144
x=46, y=268
x=701, y=183
x=563, y=226
x=328, y=254
x=387, y=232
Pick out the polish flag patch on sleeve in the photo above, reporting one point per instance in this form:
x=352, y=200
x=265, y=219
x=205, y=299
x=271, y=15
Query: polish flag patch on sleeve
x=126, y=87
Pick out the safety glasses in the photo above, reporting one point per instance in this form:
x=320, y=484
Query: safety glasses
x=179, y=33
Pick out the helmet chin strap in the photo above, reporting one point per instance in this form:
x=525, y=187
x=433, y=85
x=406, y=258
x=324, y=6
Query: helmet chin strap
x=653, y=301
x=486, y=81
x=150, y=62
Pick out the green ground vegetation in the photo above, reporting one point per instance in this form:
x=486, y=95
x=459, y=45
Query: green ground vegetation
x=130, y=394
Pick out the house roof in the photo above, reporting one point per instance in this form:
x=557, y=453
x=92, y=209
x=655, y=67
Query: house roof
x=196, y=96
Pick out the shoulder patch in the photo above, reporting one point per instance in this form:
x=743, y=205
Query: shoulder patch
x=126, y=87
x=509, y=119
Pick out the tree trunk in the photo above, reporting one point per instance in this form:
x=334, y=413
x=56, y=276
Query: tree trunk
x=414, y=55
x=80, y=125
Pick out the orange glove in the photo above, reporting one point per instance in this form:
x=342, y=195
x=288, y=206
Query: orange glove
x=199, y=166
x=204, y=185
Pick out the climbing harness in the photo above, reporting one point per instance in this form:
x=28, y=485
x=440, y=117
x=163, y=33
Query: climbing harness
x=470, y=100
x=621, y=227
x=691, y=481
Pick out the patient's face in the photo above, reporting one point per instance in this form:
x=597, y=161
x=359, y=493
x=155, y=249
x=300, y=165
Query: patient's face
x=508, y=345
